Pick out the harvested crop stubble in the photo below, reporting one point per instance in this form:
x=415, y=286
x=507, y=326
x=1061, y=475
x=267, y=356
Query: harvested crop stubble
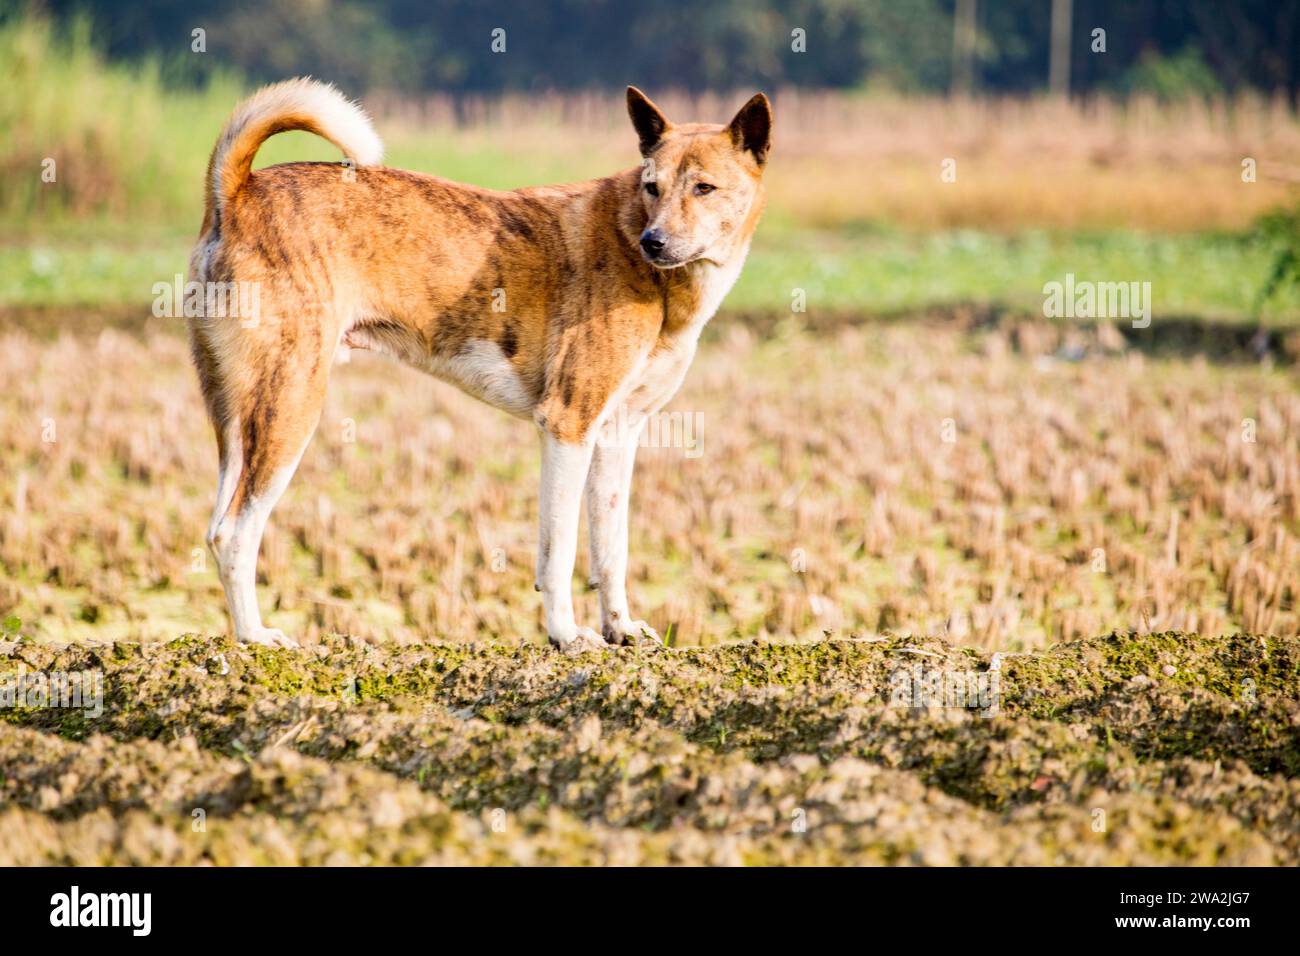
x=1005, y=487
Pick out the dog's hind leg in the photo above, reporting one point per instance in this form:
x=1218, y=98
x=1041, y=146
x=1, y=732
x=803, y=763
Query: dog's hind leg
x=262, y=439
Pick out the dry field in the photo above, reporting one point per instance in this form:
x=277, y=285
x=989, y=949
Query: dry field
x=1003, y=486
x=860, y=502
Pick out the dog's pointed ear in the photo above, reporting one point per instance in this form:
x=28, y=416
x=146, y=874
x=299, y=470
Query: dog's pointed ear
x=647, y=119
x=752, y=128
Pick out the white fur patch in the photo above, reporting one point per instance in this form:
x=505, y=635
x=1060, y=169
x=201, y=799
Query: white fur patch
x=609, y=487
x=236, y=539
x=564, y=474
x=228, y=476
x=482, y=370
x=715, y=281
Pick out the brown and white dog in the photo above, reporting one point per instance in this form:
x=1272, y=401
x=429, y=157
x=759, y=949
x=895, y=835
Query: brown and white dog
x=563, y=304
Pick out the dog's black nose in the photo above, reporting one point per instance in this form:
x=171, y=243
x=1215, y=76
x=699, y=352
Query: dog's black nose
x=652, y=241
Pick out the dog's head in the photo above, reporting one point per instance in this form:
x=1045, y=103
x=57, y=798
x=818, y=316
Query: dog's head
x=699, y=181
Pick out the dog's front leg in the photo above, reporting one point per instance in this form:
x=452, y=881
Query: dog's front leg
x=564, y=471
x=609, y=488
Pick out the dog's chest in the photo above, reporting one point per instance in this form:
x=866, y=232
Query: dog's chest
x=660, y=376
x=712, y=284
x=664, y=369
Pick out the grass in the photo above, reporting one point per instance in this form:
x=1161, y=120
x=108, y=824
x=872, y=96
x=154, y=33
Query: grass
x=877, y=272
x=888, y=271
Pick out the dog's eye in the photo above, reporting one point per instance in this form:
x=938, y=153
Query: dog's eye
x=652, y=188
x=703, y=189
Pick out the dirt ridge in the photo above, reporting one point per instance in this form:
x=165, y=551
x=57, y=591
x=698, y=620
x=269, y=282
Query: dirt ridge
x=1124, y=749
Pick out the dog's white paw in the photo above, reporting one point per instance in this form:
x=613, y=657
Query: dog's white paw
x=583, y=641
x=634, y=633
x=269, y=637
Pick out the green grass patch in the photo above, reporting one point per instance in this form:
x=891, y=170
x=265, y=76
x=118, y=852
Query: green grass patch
x=1208, y=276
x=1204, y=275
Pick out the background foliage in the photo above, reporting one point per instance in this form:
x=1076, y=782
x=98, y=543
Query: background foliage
x=1166, y=46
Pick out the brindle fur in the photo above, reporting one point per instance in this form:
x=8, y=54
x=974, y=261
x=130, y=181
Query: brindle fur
x=411, y=265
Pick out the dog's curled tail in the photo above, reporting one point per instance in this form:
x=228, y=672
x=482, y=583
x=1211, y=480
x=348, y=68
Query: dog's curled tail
x=302, y=103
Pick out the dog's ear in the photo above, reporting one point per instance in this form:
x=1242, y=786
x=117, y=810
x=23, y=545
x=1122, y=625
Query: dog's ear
x=647, y=119
x=752, y=128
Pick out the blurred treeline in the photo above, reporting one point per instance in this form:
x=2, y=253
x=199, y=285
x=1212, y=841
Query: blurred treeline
x=1166, y=47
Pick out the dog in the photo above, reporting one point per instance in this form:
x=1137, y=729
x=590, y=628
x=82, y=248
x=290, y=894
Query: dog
x=560, y=304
